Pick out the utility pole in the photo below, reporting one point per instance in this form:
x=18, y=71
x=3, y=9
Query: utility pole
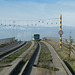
x=60, y=32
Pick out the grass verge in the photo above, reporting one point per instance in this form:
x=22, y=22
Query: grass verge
x=44, y=54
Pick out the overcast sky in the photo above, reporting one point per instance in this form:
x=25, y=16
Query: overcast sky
x=38, y=9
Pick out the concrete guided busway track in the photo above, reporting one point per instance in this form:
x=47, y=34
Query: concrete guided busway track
x=58, y=63
x=8, y=51
x=29, y=69
x=9, y=70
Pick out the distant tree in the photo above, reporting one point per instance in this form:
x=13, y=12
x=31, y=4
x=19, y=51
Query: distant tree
x=68, y=44
x=66, y=41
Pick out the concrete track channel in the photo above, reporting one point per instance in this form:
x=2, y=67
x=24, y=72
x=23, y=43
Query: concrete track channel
x=29, y=67
x=11, y=49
